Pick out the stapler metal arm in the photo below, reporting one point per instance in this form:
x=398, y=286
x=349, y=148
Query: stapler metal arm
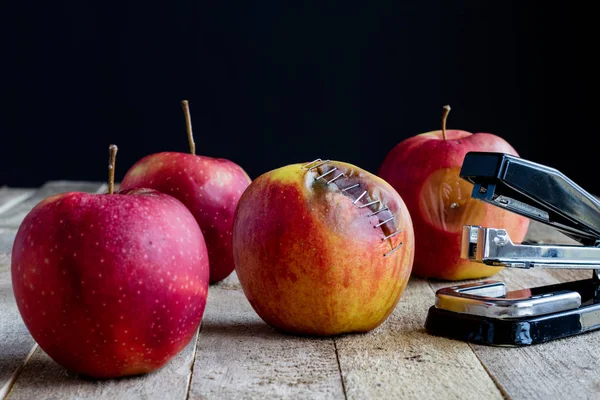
x=486, y=312
x=535, y=191
x=492, y=246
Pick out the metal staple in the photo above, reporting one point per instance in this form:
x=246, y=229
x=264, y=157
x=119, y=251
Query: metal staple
x=319, y=163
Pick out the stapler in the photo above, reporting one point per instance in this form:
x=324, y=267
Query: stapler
x=485, y=312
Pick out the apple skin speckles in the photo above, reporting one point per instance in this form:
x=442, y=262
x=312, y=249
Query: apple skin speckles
x=209, y=187
x=105, y=295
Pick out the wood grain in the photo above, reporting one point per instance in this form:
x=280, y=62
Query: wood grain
x=542, y=233
x=12, y=217
x=10, y=197
x=565, y=368
x=241, y=357
x=399, y=360
x=7, y=237
x=42, y=378
x=15, y=342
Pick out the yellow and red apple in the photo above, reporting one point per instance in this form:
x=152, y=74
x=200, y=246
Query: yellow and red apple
x=424, y=169
x=323, y=248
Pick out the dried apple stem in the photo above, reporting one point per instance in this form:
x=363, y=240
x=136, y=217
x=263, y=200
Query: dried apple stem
x=188, y=125
x=444, y=118
x=112, y=160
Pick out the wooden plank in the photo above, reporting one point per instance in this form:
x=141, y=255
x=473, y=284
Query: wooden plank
x=542, y=233
x=42, y=375
x=573, y=275
x=565, y=368
x=241, y=357
x=16, y=342
x=399, y=360
x=10, y=197
x=7, y=237
x=12, y=217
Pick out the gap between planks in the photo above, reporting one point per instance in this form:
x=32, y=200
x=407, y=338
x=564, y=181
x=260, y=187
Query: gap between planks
x=564, y=368
x=193, y=362
x=16, y=338
x=244, y=358
x=360, y=370
x=42, y=377
x=401, y=360
x=348, y=366
x=337, y=358
x=13, y=378
x=498, y=385
x=241, y=357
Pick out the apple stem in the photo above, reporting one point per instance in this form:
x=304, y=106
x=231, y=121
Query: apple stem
x=444, y=118
x=112, y=159
x=188, y=125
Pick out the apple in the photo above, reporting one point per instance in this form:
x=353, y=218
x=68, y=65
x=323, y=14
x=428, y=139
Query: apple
x=323, y=248
x=110, y=284
x=209, y=187
x=424, y=169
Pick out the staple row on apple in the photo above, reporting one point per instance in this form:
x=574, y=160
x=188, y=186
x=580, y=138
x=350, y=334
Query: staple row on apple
x=370, y=202
x=116, y=284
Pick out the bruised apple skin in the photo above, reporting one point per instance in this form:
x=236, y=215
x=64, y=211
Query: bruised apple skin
x=424, y=169
x=309, y=257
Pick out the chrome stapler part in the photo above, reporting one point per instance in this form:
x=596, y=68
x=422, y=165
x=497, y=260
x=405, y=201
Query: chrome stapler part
x=493, y=246
x=534, y=191
x=491, y=299
x=485, y=312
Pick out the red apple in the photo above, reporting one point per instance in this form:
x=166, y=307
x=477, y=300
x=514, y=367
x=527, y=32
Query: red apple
x=424, y=169
x=322, y=249
x=110, y=284
x=209, y=187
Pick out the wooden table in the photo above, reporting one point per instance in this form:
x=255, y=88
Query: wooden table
x=235, y=355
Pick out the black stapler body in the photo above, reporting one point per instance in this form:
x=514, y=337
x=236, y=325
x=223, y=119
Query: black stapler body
x=485, y=312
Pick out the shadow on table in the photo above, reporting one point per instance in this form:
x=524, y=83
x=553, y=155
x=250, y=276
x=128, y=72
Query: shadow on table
x=230, y=330
x=44, y=378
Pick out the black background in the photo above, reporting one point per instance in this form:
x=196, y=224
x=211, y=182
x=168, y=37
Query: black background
x=273, y=83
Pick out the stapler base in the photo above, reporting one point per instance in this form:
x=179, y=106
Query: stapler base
x=524, y=330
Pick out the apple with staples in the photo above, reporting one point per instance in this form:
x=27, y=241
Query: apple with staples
x=110, y=284
x=209, y=187
x=323, y=248
x=424, y=169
